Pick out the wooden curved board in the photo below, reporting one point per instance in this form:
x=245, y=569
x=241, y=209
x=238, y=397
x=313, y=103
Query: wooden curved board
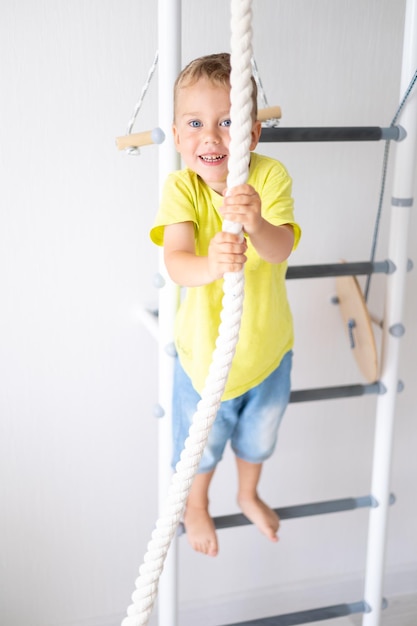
x=355, y=314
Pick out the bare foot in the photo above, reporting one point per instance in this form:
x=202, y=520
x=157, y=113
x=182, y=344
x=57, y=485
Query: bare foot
x=201, y=531
x=260, y=514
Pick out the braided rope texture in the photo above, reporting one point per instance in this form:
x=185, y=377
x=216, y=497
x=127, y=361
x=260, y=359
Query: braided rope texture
x=241, y=107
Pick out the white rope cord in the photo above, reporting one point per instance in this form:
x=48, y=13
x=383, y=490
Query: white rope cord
x=273, y=122
x=241, y=108
x=261, y=90
x=136, y=151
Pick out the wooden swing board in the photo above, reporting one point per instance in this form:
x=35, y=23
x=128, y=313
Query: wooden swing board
x=355, y=312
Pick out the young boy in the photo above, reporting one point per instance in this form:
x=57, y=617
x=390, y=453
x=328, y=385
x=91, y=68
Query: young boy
x=197, y=253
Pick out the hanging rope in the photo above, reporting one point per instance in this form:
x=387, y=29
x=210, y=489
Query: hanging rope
x=383, y=180
x=273, y=122
x=136, y=151
x=241, y=108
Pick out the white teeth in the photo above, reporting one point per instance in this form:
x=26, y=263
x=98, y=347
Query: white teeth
x=211, y=158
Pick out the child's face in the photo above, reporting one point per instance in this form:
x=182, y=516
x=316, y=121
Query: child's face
x=201, y=130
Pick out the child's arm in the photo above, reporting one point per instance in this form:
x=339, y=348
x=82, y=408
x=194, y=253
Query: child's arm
x=242, y=204
x=226, y=254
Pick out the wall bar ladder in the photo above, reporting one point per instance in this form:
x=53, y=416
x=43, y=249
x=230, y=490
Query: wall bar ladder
x=324, y=270
x=169, y=45
x=393, y=329
x=300, y=510
x=332, y=133
x=307, y=617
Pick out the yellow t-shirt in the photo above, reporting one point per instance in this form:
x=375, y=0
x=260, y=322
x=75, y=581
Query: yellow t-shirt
x=266, y=331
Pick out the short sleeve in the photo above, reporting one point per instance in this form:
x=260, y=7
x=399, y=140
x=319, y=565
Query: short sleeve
x=177, y=205
x=274, y=184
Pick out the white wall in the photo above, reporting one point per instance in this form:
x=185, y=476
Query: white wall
x=78, y=371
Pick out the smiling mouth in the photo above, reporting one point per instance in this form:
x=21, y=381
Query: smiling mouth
x=212, y=158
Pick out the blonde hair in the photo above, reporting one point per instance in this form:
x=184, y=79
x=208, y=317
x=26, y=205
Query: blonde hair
x=215, y=67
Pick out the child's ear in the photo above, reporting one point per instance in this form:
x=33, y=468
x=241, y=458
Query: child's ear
x=255, y=134
x=176, y=137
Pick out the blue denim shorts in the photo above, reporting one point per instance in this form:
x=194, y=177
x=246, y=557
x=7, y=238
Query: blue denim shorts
x=250, y=421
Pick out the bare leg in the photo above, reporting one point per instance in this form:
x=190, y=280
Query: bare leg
x=259, y=513
x=199, y=525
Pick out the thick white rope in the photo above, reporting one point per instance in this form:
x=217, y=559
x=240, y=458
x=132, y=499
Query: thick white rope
x=241, y=107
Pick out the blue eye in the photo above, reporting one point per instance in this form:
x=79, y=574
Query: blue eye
x=195, y=123
x=226, y=123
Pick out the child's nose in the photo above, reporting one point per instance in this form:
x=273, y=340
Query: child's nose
x=212, y=135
